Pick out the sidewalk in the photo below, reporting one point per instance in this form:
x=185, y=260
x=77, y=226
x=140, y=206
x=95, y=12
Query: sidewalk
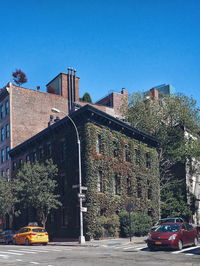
x=106, y=242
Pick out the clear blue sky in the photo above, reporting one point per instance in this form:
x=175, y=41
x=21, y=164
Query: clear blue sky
x=135, y=44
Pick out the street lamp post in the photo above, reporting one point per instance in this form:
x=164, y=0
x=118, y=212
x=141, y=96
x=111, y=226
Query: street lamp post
x=81, y=237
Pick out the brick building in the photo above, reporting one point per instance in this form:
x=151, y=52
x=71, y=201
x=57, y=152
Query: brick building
x=25, y=112
x=119, y=164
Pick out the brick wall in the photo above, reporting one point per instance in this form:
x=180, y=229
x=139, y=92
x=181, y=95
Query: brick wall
x=30, y=112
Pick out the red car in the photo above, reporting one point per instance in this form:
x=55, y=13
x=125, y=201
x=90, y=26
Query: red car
x=172, y=235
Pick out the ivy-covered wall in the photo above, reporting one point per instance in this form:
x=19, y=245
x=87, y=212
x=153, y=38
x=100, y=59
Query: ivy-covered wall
x=134, y=163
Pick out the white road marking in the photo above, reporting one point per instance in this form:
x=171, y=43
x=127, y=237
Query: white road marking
x=129, y=248
x=140, y=248
x=21, y=250
x=185, y=249
x=33, y=262
x=52, y=249
x=39, y=250
x=18, y=260
x=12, y=253
x=189, y=254
x=4, y=256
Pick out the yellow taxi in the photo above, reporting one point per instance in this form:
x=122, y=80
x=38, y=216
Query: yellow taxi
x=30, y=235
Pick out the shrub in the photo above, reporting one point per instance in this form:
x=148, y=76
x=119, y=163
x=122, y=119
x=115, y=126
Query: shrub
x=137, y=224
x=107, y=226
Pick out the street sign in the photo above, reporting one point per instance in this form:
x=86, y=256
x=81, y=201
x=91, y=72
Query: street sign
x=82, y=196
x=83, y=188
x=75, y=186
x=84, y=209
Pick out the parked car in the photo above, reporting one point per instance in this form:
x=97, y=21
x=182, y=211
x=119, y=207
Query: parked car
x=31, y=234
x=172, y=235
x=6, y=236
x=167, y=220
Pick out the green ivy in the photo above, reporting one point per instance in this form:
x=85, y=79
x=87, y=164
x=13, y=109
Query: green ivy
x=107, y=204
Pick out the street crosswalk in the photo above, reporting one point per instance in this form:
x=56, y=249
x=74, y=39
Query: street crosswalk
x=17, y=253
x=190, y=251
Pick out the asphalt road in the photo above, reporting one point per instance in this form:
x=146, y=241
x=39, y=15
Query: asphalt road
x=104, y=255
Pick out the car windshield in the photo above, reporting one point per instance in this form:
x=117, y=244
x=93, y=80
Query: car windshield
x=168, y=228
x=170, y=220
x=39, y=230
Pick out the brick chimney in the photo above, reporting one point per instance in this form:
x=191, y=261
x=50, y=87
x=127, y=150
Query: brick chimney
x=66, y=85
x=154, y=93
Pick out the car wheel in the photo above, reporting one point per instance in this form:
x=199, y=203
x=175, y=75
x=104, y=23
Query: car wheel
x=44, y=244
x=180, y=245
x=195, y=241
x=27, y=242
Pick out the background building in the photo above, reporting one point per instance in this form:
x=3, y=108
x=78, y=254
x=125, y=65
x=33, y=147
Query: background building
x=25, y=112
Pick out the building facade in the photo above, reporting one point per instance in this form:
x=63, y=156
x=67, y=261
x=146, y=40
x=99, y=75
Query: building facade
x=119, y=165
x=25, y=112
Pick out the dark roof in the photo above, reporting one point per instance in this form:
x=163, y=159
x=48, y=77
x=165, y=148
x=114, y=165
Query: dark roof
x=98, y=117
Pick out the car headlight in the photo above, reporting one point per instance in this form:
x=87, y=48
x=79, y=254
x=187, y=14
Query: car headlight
x=149, y=236
x=172, y=237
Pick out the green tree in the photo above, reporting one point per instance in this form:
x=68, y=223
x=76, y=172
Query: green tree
x=86, y=98
x=167, y=120
x=38, y=188
x=8, y=198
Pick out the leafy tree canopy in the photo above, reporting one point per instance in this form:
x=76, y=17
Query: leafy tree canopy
x=86, y=98
x=8, y=199
x=38, y=187
x=175, y=122
x=19, y=77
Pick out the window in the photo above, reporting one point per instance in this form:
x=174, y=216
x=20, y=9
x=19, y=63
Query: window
x=64, y=217
x=1, y=112
x=149, y=191
x=14, y=165
x=63, y=149
x=139, y=187
x=41, y=152
x=116, y=185
x=137, y=156
x=51, y=218
x=8, y=173
x=7, y=153
x=115, y=149
x=34, y=156
x=6, y=107
x=100, y=182
x=99, y=145
x=49, y=149
x=2, y=134
x=2, y=156
x=20, y=162
x=150, y=212
x=28, y=158
x=7, y=130
x=127, y=156
x=128, y=186
x=63, y=184
x=148, y=160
